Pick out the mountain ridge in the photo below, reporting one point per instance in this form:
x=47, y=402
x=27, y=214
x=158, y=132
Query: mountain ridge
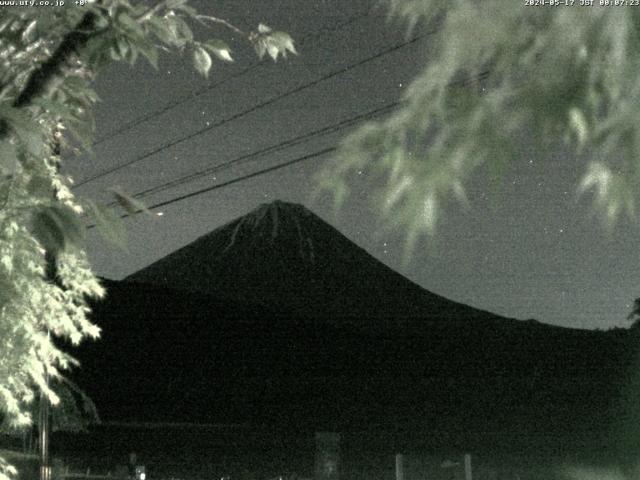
x=179, y=355
x=277, y=317
x=282, y=253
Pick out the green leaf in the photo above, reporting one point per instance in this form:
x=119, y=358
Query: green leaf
x=130, y=204
x=219, y=48
x=7, y=289
x=121, y=47
x=129, y=25
x=179, y=32
x=272, y=42
x=109, y=224
x=283, y=42
x=83, y=130
x=96, y=52
x=57, y=227
x=29, y=33
x=132, y=56
x=75, y=82
x=28, y=132
x=578, y=124
x=78, y=88
x=183, y=29
x=161, y=28
x=8, y=158
x=40, y=187
x=201, y=60
x=61, y=110
x=149, y=50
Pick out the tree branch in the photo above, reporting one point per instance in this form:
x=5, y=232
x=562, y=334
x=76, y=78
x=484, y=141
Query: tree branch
x=42, y=76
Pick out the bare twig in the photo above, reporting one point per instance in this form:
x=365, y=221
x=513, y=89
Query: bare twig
x=151, y=12
x=221, y=22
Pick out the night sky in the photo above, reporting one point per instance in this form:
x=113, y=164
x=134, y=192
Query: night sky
x=525, y=248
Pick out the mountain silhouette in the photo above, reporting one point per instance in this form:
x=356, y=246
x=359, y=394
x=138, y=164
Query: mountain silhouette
x=282, y=254
x=277, y=318
x=179, y=355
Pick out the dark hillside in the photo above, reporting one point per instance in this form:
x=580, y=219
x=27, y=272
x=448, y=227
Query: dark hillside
x=278, y=319
x=175, y=356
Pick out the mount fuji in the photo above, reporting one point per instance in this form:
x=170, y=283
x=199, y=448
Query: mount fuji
x=283, y=255
x=277, y=316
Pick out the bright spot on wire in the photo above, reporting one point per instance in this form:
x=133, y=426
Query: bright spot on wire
x=160, y=214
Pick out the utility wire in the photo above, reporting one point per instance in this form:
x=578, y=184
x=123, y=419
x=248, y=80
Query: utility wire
x=270, y=149
x=283, y=145
x=186, y=98
x=462, y=83
x=242, y=178
x=256, y=107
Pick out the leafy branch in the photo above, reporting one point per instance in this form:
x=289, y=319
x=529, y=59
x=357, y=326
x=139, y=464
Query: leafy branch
x=46, y=64
x=582, y=97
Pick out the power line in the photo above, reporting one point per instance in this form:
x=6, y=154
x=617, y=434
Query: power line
x=186, y=98
x=282, y=145
x=273, y=168
x=270, y=149
x=256, y=107
x=242, y=178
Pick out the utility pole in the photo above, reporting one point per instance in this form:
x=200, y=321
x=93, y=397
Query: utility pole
x=327, y=456
x=399, y=466
x=467, y=467
x=44, y=424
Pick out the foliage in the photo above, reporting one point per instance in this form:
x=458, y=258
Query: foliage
x=634, y=315
x=499, y=72
x=75, y=411
x=48, y=60
x=6, y=470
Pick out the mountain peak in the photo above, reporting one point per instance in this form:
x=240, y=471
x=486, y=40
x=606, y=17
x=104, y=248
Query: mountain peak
x=279, y=207
x=282, y=205
x=289, y=224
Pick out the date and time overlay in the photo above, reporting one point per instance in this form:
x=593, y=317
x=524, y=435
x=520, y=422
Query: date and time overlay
x=581, y=3
x=526, y=3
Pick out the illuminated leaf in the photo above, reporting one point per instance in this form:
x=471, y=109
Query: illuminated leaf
x=578, y=124
x=40, y=214
x=130, y=204
x=201, y=60
x=273, y=43
x=160, y=27
x=29, y=34
x=181, y=34
x=109, y=224
x=220, y=49
x=283, y=42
